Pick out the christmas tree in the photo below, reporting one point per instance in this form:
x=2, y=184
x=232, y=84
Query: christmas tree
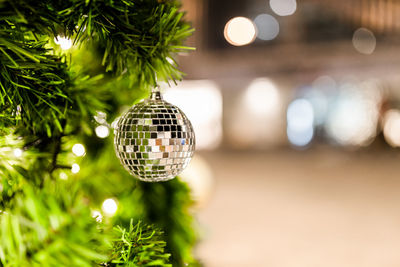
x=68, y=70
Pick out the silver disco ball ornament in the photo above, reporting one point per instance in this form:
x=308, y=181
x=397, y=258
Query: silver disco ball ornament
x=154, y=140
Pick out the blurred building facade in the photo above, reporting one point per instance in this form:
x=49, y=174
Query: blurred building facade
x=333, y=61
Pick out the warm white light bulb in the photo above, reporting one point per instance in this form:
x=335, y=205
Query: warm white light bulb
x=63, y=42
x=102, y=131
x=97, y=215
x=75, y=168
x=18, y=152
x=109, y=206
x=78, y=149
x=100, y=117
x=63, y=176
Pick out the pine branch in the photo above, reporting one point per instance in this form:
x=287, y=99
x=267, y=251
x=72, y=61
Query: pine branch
x=133, y=41
x=33, y=85
x=46, y=97
x=42, y=230
x=170, y=213
x=139, y=245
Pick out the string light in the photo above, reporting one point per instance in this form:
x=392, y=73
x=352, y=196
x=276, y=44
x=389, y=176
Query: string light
x=97, y=215
x=109, y=206
x=100, y=117
x=63, y=176
x=78, y=150
x=17, y=152
x=102, y=131
x=75, y=168
x=63, y=42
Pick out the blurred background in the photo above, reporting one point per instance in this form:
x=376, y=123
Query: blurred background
x=296, y=107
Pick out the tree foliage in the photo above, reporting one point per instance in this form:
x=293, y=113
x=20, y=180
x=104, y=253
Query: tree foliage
x=48, y=100
x=139, y=246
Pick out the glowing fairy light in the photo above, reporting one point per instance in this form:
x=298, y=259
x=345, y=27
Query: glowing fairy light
x=170, y=61
x=63, y=176
x=97, y=216
x=75, y=168
x=78, y=150
x=109, y=206
x=63, y=42
x=102, y=131
x=17, y=152
x=100, y=117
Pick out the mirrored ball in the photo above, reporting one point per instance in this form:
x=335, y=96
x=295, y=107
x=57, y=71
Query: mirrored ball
x=154, y=140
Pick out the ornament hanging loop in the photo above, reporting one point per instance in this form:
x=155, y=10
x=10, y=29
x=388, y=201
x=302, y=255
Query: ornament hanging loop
x=156, y=92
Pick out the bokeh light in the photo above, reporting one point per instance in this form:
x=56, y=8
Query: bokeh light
x=255, y=118
x=63, y=176
x=240, y=31
x=102, y=131
x=201, y=101
x=109, y=206
x=63, y=42
x=262, y=97
x=75, y=168
x=364, y=41
x=78, y=150
x=300, y=114
x=300, y=122
x=200, y=179
x=391, y=127
x=171, y=61
x=353, y=118
x=17, y=152
x=325, y=83
x=320, y=104
x=100, y=117
x=283, y=7
x=300, y=138
x=115, y=122
x=267, y=27
x=97, y=215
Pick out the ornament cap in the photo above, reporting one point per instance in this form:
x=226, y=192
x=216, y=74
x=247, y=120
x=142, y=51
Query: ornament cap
x=155, y=93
